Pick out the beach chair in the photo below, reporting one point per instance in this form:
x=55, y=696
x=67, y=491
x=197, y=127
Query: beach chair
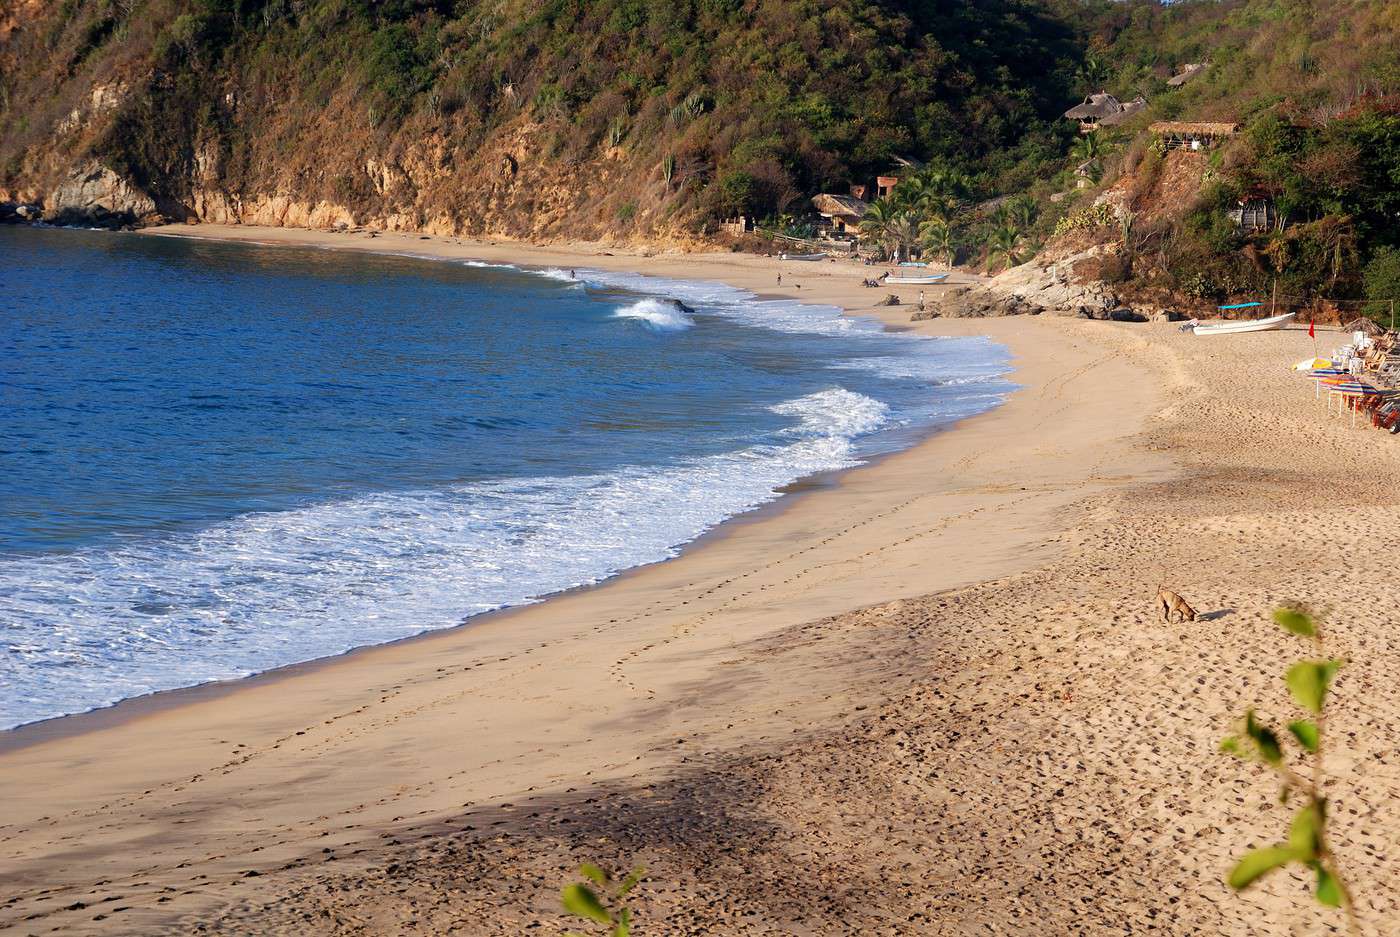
x=1387, y=415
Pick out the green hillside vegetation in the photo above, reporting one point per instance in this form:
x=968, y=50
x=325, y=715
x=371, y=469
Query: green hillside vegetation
x=628, y=119
x=749, y=106
x=1314, y=88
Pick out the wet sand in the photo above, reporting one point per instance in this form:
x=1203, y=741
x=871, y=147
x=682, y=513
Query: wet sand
x=930, y=698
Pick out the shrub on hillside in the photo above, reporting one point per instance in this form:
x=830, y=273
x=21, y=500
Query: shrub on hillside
x=1382, y=278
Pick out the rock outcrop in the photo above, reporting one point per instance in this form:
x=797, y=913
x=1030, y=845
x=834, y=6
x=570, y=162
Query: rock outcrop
x=1062, y=286
x=94, y=194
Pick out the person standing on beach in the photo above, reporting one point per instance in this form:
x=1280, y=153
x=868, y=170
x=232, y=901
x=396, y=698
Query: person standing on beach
x=921, y=300
x=780, y=279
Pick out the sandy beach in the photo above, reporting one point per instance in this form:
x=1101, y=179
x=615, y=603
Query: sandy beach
x=931, y=696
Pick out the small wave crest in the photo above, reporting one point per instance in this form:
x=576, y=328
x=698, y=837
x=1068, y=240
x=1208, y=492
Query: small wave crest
x=563, y=276
x=835, y=413
x=663, y=315
x=263, y=590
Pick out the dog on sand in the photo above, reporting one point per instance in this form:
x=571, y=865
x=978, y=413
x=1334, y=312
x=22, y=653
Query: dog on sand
x=1168, y=601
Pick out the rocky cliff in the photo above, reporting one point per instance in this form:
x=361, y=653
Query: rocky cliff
x=525, y=118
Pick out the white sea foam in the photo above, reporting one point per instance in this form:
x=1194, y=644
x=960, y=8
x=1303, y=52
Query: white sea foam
x=720, y=299
x=555, y=273
x=835, y=414
x=659, y=314
x=92, y=627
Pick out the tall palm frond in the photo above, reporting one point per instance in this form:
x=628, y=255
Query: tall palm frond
x=1005, y=243
x=939, y=237
x=1024, y=211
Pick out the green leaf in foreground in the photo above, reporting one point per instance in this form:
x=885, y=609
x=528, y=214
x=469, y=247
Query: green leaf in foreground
x=1305, y=731
x=1300, y=623
x=1257, y=862
x=1329, y=890
x=1265, y=739
x=593, y=873
x=630, y=882
x=1305, y=835
x=1230, y=745
x=1308, y=681
x=580, y=900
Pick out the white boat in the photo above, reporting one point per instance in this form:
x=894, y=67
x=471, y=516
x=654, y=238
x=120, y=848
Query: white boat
x=913, y=263
x=802, y=257
x=919, y=280
x=1246, y=325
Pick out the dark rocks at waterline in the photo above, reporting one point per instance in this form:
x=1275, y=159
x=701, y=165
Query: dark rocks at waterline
x=20, y=213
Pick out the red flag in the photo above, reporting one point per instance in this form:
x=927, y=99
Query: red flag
x=1312, y=333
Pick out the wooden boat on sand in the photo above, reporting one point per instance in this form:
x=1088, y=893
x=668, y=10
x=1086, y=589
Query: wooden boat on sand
x=917, y=280
x=1246, y=325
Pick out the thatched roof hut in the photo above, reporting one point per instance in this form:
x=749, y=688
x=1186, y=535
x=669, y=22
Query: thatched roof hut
x=840, y=206
x=1202, y=128
x=844, y=212
x=1125, y=111
x=1095, y=107
x=1187, y=72
x=1191, y=135
x=1363, y=324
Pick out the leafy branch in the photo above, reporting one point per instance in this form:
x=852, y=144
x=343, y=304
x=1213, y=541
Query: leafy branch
x=1308, y=682
x=583, y=901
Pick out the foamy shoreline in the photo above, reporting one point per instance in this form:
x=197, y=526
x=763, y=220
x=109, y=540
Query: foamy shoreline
x=936, y=689
x=829, y=443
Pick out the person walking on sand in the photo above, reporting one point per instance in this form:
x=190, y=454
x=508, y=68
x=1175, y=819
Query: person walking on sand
x=921, y=300
x=780, y=279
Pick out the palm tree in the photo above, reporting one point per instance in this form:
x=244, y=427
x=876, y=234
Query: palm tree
x=1092, y=72
x=1024, y=211
x=875, y=224
x=903, y=232
x=1087, y=147
x=1005, y=241
x=909, y=191
x=938, y=236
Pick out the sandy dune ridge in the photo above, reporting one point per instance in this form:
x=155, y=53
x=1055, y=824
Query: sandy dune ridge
x=932, y=697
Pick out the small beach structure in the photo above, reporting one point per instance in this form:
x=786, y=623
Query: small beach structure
x=1188, y=71
x=841, y=214
x=1127, y=111
x=1255, y=212
x=1191, y=135
x=1094, y=109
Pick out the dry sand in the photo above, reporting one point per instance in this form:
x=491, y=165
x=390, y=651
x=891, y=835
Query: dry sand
x=931, y=698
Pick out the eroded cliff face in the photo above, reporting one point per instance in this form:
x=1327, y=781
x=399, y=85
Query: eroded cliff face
x=141, y=146
x=130, y=140
x=505, y=187
x=539, y=119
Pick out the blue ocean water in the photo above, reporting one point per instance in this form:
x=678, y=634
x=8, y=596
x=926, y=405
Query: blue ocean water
x=216, y=459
